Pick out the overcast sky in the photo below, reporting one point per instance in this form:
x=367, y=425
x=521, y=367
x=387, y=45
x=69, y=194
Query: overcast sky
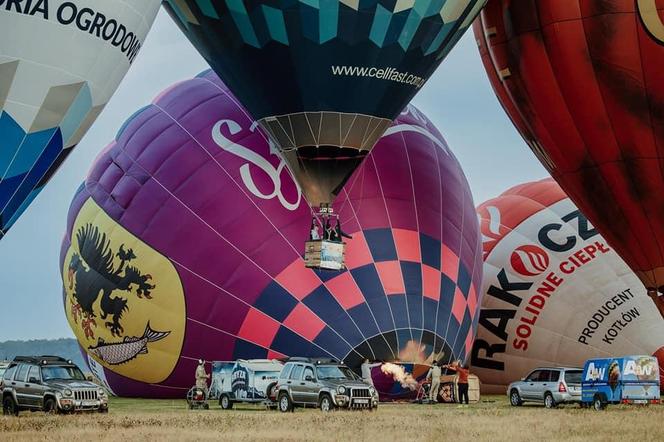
x=458, y=99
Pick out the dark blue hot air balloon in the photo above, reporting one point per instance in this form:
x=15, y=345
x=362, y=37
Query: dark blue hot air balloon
x=325, y=78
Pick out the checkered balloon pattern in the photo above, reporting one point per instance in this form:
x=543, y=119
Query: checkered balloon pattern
x=191, y=181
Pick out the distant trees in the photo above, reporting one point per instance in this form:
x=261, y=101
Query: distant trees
x=65, y=347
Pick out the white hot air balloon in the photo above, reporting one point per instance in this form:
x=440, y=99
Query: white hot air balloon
x=60, y=62
x=555, y=292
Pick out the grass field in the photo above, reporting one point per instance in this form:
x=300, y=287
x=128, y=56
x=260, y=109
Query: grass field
x=491, y=420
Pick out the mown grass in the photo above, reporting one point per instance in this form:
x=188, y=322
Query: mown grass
x=491, y=420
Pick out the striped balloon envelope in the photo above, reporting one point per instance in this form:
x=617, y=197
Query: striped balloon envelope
x=60, y=62
x=185, y=243
x=555, y=292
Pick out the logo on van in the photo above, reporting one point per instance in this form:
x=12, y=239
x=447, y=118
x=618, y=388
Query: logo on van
x=595, y=373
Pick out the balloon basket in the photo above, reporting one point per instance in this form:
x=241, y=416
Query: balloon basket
x=325, y=255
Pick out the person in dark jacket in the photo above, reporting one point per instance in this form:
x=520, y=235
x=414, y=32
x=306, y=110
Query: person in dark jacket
x=462, y=381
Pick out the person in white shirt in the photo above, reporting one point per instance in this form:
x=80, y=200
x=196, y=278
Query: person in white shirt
x=314, y=235
x=201, y=375
x=366, y=372
x=434, y=373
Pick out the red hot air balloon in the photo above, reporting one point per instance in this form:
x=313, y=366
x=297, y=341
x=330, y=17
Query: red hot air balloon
x=581, y=80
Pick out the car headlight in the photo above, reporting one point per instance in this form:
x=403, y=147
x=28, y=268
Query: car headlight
x=67, y=392
x=372, y=391
x=341, y=389
x=101, y=392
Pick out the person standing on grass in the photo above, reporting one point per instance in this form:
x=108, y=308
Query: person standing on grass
x=201, y=375
x=462, y=381
x=434, y=373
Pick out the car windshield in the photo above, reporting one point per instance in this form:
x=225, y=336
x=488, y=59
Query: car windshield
x=68, y=373
x=335, y=372
x=573, y=377
x=2, y=371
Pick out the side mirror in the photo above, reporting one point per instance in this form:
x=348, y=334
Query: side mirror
x=309, y=378
x=33, y=380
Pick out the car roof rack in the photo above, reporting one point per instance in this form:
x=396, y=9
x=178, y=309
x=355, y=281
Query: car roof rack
x=313, y=360
x=298, y=359
x=43, y=360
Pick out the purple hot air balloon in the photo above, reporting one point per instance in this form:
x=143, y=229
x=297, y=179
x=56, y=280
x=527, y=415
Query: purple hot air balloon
x=184, y=243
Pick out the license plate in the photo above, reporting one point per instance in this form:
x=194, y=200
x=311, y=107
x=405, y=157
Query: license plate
x=361, y=401
x=89, y=403
x=640, y=401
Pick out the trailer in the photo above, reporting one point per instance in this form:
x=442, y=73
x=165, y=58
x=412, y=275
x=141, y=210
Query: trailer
x=621, y=380
x=244, y=381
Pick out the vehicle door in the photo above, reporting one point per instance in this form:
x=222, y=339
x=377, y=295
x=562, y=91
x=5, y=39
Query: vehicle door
x=310, y=385
x=573, y=381
x=294, y=381
x=34, y=393
x=20, y=385
x=548, y=382
x=529, y=385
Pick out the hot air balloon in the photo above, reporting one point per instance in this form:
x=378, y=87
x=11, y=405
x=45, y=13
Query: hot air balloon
x=181, y=245
x=324, y=78
x=581, y=80
x=60, y=62
x=555, y=293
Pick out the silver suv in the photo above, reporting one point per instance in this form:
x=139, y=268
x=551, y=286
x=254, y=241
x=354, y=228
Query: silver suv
x=323, y=384
x=51, y=384
x=548, y=385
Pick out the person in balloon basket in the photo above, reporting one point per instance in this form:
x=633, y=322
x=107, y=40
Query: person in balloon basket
x=201, y=376
x=314, y=234
x=462, y=383
x=434, y=373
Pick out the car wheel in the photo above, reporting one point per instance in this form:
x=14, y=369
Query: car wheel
x=598, y=403
x=225, y=402
x=549, y=402
x=284, y=402
x=50, y=406
x=325, y=404
x=9, y=407
x=515, y=398
x=270, y=391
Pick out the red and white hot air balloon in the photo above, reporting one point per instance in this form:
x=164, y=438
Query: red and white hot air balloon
x=554, y=291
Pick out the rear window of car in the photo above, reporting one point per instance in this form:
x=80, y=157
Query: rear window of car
x=573, y=376
x=22, y=372
x=297, y=372
x=9, y=374
x=285, y=372
x=554, y=375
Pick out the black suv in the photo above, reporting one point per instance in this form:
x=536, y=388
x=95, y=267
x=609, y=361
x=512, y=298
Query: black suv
x=51, y=384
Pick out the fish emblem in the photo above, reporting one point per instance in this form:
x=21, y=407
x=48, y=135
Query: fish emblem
x=116, y=353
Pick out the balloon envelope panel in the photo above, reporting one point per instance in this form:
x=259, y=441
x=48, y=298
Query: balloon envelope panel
x=191, y=187
x=324, y=78
x=584, y=77
x=555, y=292
x=59, y=66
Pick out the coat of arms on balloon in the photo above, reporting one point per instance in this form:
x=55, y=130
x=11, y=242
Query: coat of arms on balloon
x=116, y=290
